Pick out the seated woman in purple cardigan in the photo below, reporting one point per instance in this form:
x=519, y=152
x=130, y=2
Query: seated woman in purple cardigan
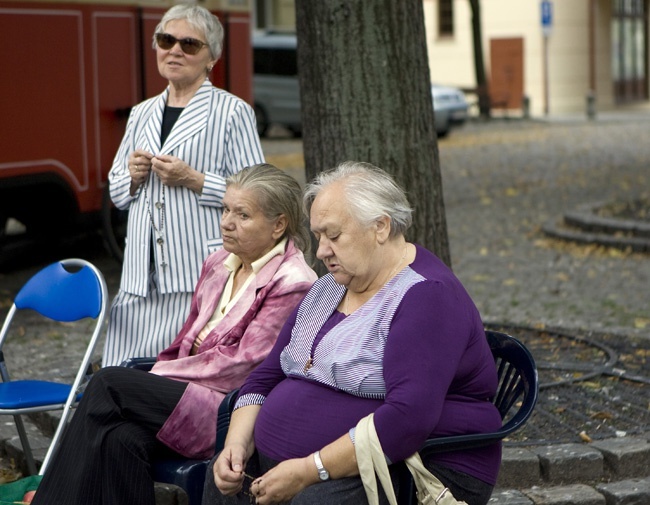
x=389, y=330
x=244, y=295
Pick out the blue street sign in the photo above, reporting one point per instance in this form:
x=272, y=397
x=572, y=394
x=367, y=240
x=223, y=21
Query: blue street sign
x=547, y=16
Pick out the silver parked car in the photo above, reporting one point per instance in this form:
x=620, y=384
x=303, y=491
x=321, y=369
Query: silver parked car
x=277, y=94
x=449, y=108
x=275, y=82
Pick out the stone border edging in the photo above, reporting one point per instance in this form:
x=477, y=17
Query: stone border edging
x=573, y=463
x=590, y=228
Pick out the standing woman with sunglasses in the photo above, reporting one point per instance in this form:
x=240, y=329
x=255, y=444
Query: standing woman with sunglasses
x=169, y=172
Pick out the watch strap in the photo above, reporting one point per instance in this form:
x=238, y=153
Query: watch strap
x=323, y=474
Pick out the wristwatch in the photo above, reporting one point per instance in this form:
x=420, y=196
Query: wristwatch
x=322, y=473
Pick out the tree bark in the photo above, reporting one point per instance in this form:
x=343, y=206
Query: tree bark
x=366, y=96
x=482, y=90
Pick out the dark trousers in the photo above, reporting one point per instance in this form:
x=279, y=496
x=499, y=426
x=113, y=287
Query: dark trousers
x=349, y=490
x=105, y=453
x=346, y=491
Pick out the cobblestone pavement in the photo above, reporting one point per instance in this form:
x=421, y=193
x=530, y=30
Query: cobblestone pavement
x=501, y=181
x=500, y=186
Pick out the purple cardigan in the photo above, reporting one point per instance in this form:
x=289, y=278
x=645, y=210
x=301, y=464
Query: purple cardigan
x=239, y=343
x=415, y=354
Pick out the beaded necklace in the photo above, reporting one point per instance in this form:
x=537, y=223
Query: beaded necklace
x=160, y=232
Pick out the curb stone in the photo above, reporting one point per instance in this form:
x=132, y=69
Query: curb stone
x=571, y=463
x=634, y=244
x=573, y=474
x=625, y=457
x=576, y=494
x=520, y=467
x=627, y=492
x=509, y=497
x=584, y=225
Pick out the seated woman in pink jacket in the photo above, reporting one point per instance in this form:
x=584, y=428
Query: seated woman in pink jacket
x=245, y=293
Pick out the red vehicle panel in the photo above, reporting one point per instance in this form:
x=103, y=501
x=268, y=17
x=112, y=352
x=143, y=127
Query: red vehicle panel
x=72, y=72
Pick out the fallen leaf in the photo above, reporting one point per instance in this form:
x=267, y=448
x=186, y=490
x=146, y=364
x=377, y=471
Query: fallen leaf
x=602, y=415
x=641, y=323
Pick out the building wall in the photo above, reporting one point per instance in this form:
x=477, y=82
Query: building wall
x=450, y=58
x=569, y=75
x=603, y=64
x=559, y=70
x=568, y=56
x=274, y=15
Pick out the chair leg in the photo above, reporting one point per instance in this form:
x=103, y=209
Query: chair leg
x=22, y=433
x=56, y=438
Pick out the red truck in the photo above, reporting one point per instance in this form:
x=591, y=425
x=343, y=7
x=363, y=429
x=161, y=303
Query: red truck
x=71, y=73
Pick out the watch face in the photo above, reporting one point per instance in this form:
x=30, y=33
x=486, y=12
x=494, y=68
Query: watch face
x=322, y=473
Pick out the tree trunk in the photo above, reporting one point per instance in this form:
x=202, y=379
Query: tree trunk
x=482, y=90
x=366, y=96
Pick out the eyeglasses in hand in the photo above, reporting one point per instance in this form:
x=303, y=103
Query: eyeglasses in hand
x=246, y=490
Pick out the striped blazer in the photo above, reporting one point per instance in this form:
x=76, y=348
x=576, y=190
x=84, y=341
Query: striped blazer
x=215, y=134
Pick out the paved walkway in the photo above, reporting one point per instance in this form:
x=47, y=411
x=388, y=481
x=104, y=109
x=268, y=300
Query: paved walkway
x=502, y=180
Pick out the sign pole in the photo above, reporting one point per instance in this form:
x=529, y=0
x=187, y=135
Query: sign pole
x=546, y=99
x=547, y=24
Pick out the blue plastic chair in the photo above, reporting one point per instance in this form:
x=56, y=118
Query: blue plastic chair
x=515, y=399
x=65, y=291
x=188, y=474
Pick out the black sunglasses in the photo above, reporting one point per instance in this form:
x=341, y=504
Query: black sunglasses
x=188, y=45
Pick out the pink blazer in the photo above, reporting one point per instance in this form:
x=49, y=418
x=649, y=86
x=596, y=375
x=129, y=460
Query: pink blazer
x=239, y=343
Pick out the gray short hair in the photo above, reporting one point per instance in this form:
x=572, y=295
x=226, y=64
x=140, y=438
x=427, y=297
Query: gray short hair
x=370, y=192
x=198, y=18
x=278, y=193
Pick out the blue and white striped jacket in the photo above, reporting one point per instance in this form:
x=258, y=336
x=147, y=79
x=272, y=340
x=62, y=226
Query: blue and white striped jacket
x=216, y=134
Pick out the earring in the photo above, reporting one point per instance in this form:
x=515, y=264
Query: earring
x=210, y=68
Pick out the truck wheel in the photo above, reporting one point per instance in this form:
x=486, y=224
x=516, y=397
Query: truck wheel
x=262, y=120
x=114, y=223
x=3, y=227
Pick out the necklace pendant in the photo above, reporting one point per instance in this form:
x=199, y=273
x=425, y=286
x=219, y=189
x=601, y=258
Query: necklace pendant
x=160, y=241
x=163, y=264
x=309, y=364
